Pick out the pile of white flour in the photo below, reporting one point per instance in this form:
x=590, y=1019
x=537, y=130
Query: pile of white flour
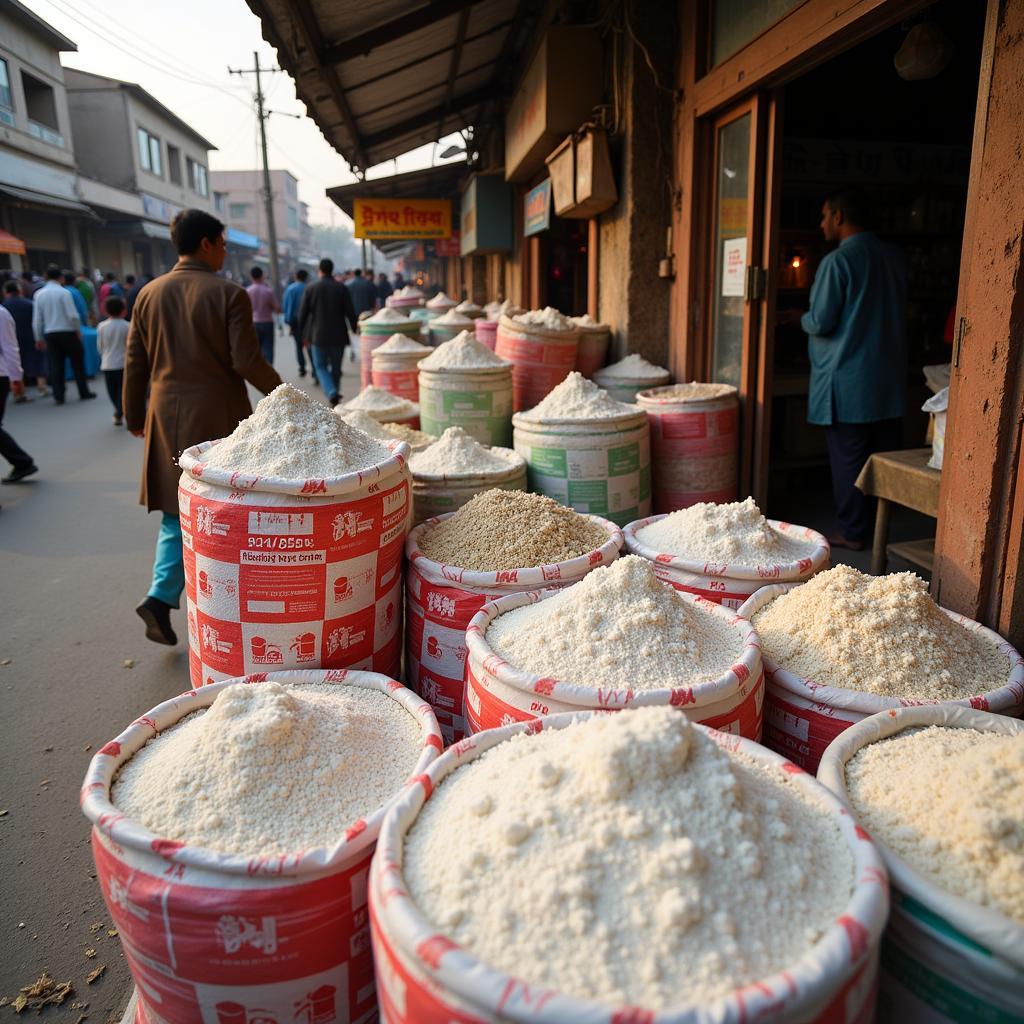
x=634, y=367
x=468, y=308
x=457, y=453
x=696, y=391
x=387, y=315
x=948, y=801
x=619, y=626
x=587, y=322
x=386, y=431
x=380, y=404
x=451, y=319
x=651, y=867
x=399, y=344
x=294, y=436
x=734, y=532
x=409, y=292
x=577, y=398
x=463, y=352
x=496, y=310
x=549, y=318
x=441, y=301
x=272, y=768
x=878, y=634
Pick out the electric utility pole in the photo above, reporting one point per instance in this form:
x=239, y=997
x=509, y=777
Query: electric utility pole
x=268, y=195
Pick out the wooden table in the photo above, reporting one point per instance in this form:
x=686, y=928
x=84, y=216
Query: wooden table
x=903, y=478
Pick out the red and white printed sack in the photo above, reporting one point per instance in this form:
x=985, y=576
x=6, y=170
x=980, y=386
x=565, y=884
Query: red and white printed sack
x=235, y=939
x=293, y=574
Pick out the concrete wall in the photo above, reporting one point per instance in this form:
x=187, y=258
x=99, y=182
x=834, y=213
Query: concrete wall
x=24, y=50
x=103, y=143
x=246, y=187
x=631, y=297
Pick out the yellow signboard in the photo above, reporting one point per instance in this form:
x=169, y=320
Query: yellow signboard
x=402, y=218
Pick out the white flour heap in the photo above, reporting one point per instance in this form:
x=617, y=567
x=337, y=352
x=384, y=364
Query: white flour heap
x=652, y=868
x=409, y=292
x=272, y=768
x=386, y=431
x=577, y=398
x=496, y=310
x=634, y=367
x=734, y=532
x=294, y=436
x=878, y=634
x=696, y=391
x=467, y=308
x=457, y=453
x=380, y=404
x=587, y=322
x=463, y=352
x=387, y=315
x=948, y=801
x=440, y=301
x=399, y=344
x=549, y=318
x=619, y=626
x=451, y=319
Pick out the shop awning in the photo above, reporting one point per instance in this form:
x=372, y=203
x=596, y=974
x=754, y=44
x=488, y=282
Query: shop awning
x=10, y=244
x=31, y=197
x=241, y=239
x=381, y=79
x=429, y=183
x=159, y=231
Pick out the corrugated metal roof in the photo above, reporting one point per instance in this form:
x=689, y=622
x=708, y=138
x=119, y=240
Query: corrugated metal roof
x=382, y=77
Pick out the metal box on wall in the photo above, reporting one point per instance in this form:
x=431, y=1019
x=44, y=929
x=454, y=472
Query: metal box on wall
x=558, y=93
x=487, y=223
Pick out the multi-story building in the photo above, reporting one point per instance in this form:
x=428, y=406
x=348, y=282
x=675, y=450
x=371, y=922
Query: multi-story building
x=241, y=204
x=41, y=211
x=139, y=164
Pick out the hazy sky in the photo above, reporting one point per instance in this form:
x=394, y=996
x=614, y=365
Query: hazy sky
x=180, y=52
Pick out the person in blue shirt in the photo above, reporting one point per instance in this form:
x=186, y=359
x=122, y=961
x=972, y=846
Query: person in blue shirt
x=67, y=278
x=364, y=294
x=857, y=343
x=292, y=304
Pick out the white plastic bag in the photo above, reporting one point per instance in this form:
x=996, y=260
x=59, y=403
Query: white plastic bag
x=937, y=405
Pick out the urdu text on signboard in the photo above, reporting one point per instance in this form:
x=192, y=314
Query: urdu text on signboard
x=402, y=218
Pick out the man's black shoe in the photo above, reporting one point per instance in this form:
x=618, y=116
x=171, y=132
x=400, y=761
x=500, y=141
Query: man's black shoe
x=334, y=399
x=87, y=395
x=157, y=617
x=20, y=472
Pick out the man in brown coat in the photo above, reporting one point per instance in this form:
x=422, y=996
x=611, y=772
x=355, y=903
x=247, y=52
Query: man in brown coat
x=193, y=346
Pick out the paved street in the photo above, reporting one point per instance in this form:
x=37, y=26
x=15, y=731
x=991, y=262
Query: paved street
x=76, y=555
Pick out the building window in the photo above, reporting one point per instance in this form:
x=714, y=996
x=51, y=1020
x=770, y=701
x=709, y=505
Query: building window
x=197, y=177
x=238, y=211
x=6, y=100
x=149, y=153
x=293, y=219
x=291, y=186
x=218, y=201
x=174, y=164
x=41, y=107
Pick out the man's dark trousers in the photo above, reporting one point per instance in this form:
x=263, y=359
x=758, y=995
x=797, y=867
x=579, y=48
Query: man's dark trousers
x=849, y=446
x=61, y=345
x=265, y=334
x=9, y=448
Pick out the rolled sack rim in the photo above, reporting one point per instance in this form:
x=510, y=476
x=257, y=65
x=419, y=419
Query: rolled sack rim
x=844, y=948
x=798, y=571
x=1006, y=697
x=611, y=380
x=686, y=695
x=94, y=796
x=521, y=578
x=655, y=400
x=474, y=373
x=989, y=928
x=514, y=471
x=346, y=483
x=525, y=332
x=583, y=428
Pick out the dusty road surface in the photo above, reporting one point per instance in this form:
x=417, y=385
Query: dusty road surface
x=76, y=554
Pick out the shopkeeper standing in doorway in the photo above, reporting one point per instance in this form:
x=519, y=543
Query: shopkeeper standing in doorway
x=858, y=350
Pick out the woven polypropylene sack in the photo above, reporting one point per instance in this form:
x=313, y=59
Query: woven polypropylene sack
x=437, y=981
x=593, y=350
x=602, y=467
x=724, y=583
x=436, y=495
x=499, y=694
x=944, y=959
x=440, y=601
x=486, y=332
x=801, y=717
x=541, y=359
x=694, y=447
x=398, y=372
x=477, y=400
x=625, y=389
x=373, y=335
x=293, y=574
x=240, y=938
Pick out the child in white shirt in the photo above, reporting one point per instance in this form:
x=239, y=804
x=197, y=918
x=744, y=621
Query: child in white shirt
x=111, y=338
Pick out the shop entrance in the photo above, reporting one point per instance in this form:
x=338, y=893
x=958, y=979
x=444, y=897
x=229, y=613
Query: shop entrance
x=851, y=121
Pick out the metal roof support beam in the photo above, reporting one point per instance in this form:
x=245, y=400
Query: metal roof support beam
x=453, y=68
x=313, y=42
x=359, y=46
x=429, y=117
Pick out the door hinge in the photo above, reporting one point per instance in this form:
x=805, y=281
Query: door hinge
x=754, y=286
x=961, y=333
